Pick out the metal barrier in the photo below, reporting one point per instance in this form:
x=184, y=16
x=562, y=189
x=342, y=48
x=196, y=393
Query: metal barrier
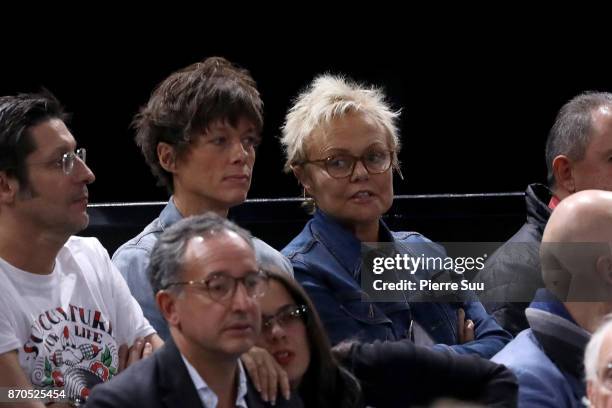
x=441, y=217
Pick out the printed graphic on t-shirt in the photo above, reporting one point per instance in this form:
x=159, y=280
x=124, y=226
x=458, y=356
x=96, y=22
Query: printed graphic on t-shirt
x=70, y=347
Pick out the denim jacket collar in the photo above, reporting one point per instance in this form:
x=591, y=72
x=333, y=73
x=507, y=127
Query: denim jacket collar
x=169, y=215
x=342, y=243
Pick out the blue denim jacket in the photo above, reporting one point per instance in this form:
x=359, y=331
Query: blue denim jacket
x=132, y=260
x=326, y=260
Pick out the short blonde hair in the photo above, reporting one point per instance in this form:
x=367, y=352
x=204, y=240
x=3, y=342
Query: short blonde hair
x=329, y=97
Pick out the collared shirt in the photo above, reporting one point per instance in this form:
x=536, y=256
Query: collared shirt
x=132, y=260
x=554, y=202
x=207, y=395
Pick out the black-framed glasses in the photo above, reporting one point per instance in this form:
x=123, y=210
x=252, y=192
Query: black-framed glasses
x=284, y=317
x=342, y=165
x=221, y=287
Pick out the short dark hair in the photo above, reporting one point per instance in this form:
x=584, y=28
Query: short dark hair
x=167, y=257
x=188, y=101
x=573, y=128
x=18, y=114
x=325, y=383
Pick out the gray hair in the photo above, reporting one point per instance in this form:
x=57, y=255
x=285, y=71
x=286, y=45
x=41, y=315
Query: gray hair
x=591, y=353
x=329, y=97
x=572, y=130
x=167, y=257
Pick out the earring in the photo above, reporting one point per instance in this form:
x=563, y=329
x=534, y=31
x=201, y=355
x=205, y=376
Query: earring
x=307, y=199
x=309, y=203
x=399, y=171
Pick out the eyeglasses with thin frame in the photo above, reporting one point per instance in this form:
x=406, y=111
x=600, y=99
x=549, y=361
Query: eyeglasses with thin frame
x=221, y=287
x=66, y=162
x=284, y=317
x=341, y=166
x=69, y=158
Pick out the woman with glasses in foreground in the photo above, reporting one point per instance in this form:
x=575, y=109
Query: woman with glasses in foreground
x=341, y=142
x=389, y=374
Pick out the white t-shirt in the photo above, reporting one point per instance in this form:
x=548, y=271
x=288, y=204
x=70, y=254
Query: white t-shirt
x=67, y=326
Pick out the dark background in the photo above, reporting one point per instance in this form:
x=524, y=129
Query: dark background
x=475, y=113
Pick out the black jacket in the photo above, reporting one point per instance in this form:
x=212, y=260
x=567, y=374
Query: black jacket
x=512, y=275
x=401, y=374
x=160, y=381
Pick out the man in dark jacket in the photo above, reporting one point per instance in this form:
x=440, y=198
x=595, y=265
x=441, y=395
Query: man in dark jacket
x=206, y=280
x=512, y=274
x=578, y=157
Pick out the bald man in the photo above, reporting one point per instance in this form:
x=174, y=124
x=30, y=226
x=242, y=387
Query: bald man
x=577, y=270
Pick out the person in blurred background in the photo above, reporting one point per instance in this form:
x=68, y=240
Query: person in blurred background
x=578, y=158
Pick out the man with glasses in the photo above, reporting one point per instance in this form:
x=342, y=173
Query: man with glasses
x=66, y=314
x=576, y=261
x=598, y=366
x=206, y=280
